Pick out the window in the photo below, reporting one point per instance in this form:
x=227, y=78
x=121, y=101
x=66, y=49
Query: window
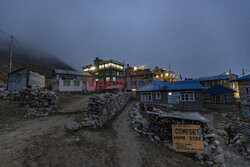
x=187, y=96
x=247, y=91
x=107, y=78
x=146, y=97
x=76, y=83
x=158, y=95
x=66, y=83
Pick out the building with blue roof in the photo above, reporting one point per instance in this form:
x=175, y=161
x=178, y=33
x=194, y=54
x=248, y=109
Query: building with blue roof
x=224, y=79
x=244, y=89
x=182, y=95
x=220, y=95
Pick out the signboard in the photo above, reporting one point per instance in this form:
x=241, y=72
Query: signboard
x=173, y=99
x=187, y=138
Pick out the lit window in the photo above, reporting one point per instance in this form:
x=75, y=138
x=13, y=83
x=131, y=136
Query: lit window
x=114, y=78
x=107, y=78
x=187, y=96
x=158, y=95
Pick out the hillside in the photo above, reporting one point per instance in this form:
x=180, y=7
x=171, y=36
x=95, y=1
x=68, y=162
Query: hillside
x=38, y=62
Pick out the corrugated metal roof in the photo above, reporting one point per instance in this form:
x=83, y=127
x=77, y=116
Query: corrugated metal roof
x=70, y=72
x=211, y=78
x=178, y=85
x=219, y=90
x=241, y=78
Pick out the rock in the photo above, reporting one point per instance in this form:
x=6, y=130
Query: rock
x=72, y=126
x=216, y=142
x=219, y=159
x=209, y=163
x=212, y=135
x=198, y=156
x=157, y=138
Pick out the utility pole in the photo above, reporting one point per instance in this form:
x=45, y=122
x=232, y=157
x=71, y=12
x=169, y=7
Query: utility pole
x=243, y=72
x=11, y=50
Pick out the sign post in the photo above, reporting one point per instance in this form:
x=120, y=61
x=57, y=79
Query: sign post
x=187, y=138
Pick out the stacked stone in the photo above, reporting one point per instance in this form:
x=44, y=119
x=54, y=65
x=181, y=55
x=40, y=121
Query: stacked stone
x=159, y=129
x=36, y=101
x=103, y=107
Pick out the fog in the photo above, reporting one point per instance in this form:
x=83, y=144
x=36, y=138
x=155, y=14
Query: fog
x=198, y=38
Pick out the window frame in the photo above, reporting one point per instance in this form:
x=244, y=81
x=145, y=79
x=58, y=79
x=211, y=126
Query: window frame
x=145, y=96
x=65, y=82
x=158, y=95
x=185, y=96
x=76, y=82
x=247, y=91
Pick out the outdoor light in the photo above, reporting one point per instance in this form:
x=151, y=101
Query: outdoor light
x=170, y=93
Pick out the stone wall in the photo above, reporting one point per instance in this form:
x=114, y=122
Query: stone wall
x=103, y=107
x=156, y=124
x=36, y=101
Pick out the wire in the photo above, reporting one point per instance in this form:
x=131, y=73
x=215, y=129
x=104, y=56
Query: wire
x=6, y=33
x=19, y=44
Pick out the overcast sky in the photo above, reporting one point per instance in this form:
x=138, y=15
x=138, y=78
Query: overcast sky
x=197, y=37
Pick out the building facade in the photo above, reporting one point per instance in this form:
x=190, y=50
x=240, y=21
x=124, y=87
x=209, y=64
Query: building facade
x=69, y=81
x=109, y=74
x=164, y=75
x=244, y=87
x=24, y=78
x=180, y=95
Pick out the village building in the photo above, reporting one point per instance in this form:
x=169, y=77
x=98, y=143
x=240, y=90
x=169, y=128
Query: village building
x=244, y=87
x=137, y=77
x=24, y=77
x=164, y=74
x=220, y=98
x=181, y=95
x=106, y=72
x=69, y=81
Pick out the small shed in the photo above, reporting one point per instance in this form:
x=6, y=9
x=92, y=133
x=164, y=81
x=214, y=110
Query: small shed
x=24, y=78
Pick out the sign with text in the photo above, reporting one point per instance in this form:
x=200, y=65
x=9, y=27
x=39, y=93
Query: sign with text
x=187, y=138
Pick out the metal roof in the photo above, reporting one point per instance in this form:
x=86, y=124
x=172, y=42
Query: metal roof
x=217, y=77
x=158, y=85
x=70, y=72
x=241, y=78
x=181, y=115
x=219, y=90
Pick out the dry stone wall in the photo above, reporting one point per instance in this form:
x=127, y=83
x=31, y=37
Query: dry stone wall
x=157, y=125
x=36, y=101
x=103, y=107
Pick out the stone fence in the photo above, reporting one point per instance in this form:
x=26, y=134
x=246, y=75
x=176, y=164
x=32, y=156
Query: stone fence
x=101, y=108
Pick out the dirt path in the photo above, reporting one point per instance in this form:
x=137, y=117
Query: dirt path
x=42, y=142
x=128, y=146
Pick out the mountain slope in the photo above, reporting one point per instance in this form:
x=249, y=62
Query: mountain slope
x=38, y=62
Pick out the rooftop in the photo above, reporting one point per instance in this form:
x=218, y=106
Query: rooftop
x=217, y=77
x=219, y=90
x=241, y=78
x=178, y=85
x=70, y=72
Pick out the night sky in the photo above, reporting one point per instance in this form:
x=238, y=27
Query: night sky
x=197, y=37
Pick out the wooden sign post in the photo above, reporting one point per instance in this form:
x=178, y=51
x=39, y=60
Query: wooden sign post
x=187, y=138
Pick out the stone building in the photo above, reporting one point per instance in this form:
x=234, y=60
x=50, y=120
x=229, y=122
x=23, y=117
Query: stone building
x=180, y=95
x=220, y=98
x=244, y=87
x=24, y=77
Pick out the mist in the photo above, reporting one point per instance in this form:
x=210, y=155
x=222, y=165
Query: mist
x=198, y=38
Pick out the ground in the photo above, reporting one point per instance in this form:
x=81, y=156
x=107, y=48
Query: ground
x=37, y=142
